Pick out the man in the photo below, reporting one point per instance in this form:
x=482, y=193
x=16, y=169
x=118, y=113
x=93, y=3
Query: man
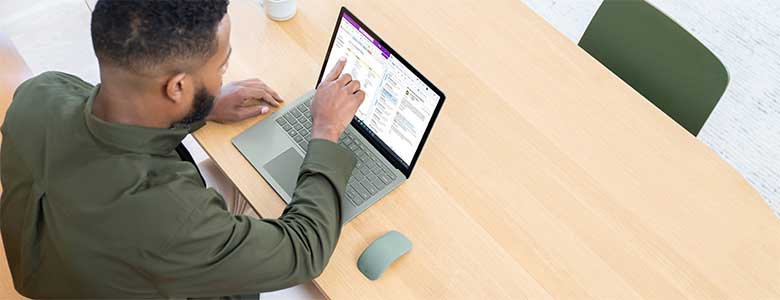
x=102, y=201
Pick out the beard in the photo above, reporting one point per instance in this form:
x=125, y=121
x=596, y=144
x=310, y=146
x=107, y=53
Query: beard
x=202, y=103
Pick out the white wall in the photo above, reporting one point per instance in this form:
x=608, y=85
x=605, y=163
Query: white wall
x=744, y=129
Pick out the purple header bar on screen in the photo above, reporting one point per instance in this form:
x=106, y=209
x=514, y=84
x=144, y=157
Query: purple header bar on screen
x=376, y=43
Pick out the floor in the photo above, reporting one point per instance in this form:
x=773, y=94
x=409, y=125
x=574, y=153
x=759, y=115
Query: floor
x=744, y=129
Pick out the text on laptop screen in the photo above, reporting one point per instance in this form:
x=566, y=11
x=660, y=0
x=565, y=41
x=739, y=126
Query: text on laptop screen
x=398, y=105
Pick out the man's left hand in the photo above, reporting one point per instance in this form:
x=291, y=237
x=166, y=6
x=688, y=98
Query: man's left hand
x=230, y=105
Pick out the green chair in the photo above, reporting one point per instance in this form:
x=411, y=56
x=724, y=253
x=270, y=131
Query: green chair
x=658, y=58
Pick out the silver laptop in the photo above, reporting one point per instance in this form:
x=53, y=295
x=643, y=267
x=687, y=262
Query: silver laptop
x=386, y=135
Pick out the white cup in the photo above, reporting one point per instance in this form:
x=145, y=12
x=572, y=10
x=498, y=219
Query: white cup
x=279, y=10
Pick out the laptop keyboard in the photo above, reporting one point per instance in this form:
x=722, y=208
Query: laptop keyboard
x=369, y=176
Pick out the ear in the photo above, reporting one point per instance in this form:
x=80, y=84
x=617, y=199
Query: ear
x=174, y=87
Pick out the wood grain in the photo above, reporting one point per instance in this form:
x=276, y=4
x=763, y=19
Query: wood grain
x=545, y=175
x=744, y=128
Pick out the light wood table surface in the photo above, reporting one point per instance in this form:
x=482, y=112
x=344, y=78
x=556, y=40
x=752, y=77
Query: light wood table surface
x=545, y=175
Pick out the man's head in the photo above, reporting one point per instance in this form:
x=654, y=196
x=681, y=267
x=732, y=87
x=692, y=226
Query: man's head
x=173, y=52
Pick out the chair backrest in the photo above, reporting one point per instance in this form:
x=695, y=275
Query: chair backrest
x=12, y=73
x=658, y=58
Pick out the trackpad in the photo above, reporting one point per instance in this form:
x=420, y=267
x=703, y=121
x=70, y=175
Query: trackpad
x=284, y=169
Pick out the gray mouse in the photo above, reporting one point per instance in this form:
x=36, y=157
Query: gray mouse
x=381, y=253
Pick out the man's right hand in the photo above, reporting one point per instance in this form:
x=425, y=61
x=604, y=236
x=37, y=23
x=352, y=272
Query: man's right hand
x=335, y=103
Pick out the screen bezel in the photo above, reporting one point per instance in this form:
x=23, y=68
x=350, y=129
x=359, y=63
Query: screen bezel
x=383, y=148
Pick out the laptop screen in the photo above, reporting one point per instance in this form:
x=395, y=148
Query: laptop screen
x=400, y=103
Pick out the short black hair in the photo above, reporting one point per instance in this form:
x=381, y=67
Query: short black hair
x=142, y=36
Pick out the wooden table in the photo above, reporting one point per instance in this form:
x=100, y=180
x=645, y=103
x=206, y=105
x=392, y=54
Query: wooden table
x=545, y=176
